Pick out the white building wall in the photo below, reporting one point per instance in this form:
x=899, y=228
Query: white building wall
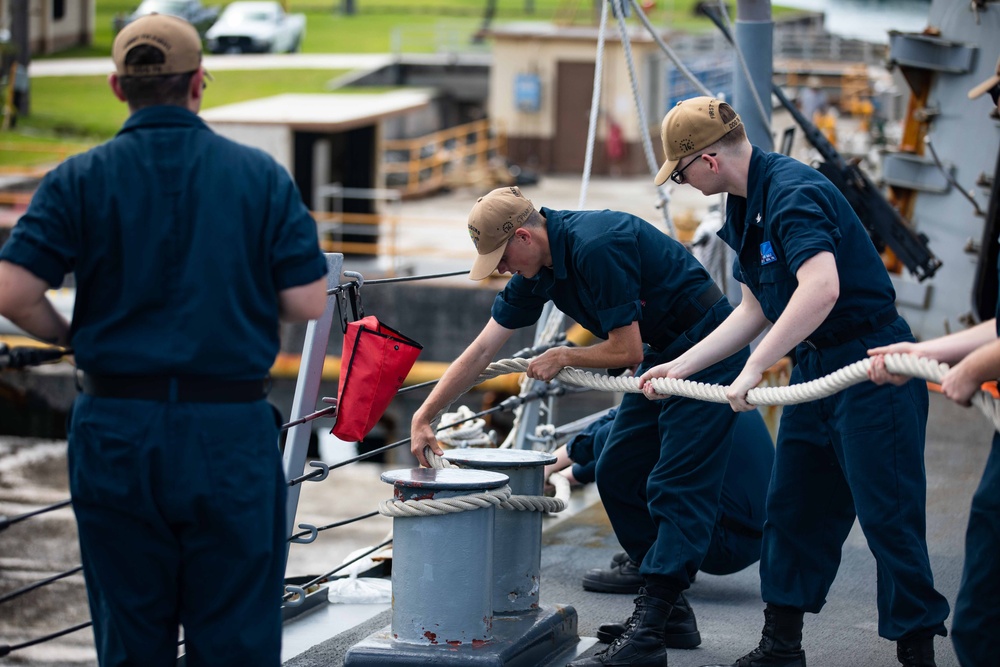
x=276, y=140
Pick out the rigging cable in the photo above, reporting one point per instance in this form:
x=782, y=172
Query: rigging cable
x=647, y=144
x=595, y=102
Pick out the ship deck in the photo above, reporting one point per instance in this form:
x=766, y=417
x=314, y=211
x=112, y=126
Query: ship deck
x=728, y=608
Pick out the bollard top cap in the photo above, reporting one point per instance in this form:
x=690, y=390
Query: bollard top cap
x=497, y=459
x=447, y=479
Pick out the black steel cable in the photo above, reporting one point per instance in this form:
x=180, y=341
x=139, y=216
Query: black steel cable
x=287, y=596
x=331, y=411
x=6, y=649
x=507, y=404
x=38, y=584
x=421, y=385
x=330, y=525
x=6, y=522
x=401, y=279
x=385, y=448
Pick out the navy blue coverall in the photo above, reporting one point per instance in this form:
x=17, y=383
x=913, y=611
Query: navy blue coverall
x=180, y=242
x=739, y=523
x=859, y=452
x=660, y=474
x=975, y=628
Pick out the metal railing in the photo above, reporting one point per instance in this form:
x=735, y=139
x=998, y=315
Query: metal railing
x=458, y=156
x=52, y=155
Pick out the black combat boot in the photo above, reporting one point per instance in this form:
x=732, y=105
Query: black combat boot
x=681, y=630
x=780, y=642
x=622, y=577
x=916, y=652
x=642, y=643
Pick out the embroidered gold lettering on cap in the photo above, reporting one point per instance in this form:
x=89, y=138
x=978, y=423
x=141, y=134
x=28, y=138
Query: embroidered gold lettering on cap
x=175, y=37
x=691, y=126
x=494, y=219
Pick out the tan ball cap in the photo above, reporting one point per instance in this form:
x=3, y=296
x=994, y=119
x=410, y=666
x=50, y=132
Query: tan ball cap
x=492, y=222
x=177, y=38
x=689, y=127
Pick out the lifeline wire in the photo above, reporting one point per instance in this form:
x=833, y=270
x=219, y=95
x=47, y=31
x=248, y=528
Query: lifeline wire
x=506, y=405
x=287, y=596
x=5, y=649
x=401, y=279
x=38, y=584
x=6, y=522
x=336, y=524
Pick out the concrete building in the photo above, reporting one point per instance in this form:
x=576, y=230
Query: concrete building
x=540, y=91
x=55, y=25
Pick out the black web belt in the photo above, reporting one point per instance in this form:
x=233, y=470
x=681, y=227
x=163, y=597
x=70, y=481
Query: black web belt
x=687, y=316
x=174, y=389
x=857, y=329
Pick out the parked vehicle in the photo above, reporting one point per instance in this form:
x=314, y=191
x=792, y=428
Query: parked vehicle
x=256, y=27
x=192, y=11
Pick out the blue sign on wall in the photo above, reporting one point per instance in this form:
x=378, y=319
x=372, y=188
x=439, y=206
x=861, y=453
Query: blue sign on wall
x=528, y=92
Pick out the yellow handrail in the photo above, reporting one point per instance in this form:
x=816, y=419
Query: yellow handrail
x=443, y=158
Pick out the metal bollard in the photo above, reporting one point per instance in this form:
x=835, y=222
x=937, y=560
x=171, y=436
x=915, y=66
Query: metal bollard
x=517, y=546
x=442, y=565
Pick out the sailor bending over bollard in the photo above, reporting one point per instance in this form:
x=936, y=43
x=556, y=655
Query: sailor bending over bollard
x=660, y=474
x=187, y=248
x=739, y=522
x=807, y=265
x=976, y=353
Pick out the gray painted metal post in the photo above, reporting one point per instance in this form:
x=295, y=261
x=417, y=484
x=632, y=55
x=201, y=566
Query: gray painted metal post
x=754, y=36
x=442, y=566
x=531, y=411
x=307, y=390
x=517, y=544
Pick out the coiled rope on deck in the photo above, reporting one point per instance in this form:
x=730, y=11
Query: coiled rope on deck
x=899, y=364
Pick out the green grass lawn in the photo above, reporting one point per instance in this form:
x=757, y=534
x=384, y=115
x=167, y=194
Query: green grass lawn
x=84, y=106
x=372, y=27
x=29, y=149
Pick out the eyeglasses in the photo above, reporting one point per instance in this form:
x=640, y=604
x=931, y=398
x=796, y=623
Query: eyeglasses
x=678, y=175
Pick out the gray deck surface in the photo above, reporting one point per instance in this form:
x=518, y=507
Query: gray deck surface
x=729, y=608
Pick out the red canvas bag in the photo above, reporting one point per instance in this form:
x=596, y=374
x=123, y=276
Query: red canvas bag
x=375, y=361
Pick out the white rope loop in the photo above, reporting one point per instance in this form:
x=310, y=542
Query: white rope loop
x=437, y=507
x=469, y=433
x=519, y=503
x=562, y=488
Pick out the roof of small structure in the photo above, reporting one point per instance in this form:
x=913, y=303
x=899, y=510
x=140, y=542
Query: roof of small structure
x=326, y=112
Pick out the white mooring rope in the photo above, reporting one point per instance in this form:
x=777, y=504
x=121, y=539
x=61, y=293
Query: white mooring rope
x=436, y=507
x=900, y=364
x=519, y=503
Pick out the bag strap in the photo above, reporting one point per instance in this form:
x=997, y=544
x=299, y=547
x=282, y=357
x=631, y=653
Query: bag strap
x=350, y=294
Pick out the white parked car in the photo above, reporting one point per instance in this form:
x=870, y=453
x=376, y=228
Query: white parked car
x=256, y=27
